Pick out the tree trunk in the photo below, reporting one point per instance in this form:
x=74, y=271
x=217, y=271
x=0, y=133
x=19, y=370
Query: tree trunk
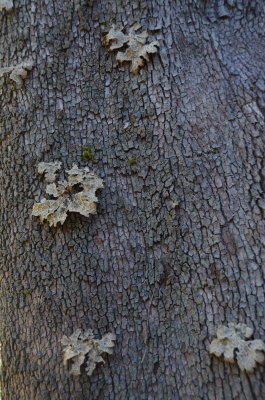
x=176, y=247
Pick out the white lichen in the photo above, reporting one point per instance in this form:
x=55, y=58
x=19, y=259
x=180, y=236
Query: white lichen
x=77, y=194
x=82, y=348
x=231, y=344
x=6, y=4
x=135, y=49
x=18, y=72
x=49, y=169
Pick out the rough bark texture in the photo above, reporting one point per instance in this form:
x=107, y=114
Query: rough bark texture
x=176, y=248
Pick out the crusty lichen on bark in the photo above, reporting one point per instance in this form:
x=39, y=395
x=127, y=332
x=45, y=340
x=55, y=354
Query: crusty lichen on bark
x=77, y=194
x=17, y=72
x=6, y=4
x=231, y=344
x=49, y=169
x=82, y=348
x=135, y=49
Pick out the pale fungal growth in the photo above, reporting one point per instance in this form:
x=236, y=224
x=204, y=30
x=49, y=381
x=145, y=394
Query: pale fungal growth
x=231, y=344
x=133, y=46
x=81, y=348
x=17, y=72
x=6, y=4
x=77, y=194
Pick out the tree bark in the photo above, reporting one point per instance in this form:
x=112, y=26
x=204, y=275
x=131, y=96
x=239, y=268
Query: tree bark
x=176, y=247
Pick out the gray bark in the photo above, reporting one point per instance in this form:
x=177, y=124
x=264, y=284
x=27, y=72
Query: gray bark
x=161, y=276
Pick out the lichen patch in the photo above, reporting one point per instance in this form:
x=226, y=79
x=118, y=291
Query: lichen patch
x=77, y=194
x=82, y=348
x=233, y=346
x=135, y=50
x=18, y=72
x=6, y=4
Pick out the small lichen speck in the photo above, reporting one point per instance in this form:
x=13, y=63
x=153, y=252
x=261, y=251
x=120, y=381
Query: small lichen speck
x=82, y=348
x=7, y=4
x=135, y=48
x=231, y=344
x=17, y=72
x=77, y=194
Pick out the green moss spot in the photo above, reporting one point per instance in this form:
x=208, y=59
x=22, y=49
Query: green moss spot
x=87, y=153
x=131, y=161
x=27, y=292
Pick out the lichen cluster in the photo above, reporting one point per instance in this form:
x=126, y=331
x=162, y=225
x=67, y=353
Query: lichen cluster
x=82, y=348
x=77, y=194
x=6, y=4
x=233, y=346
x=133, y=46
x=17, y=73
